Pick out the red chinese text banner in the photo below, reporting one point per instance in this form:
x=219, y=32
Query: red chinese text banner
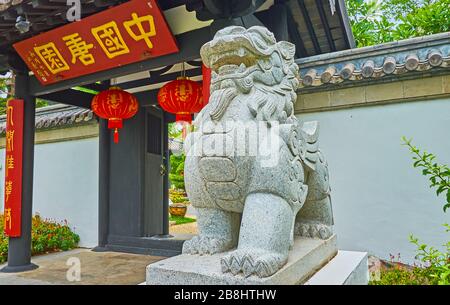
x=13, y=168
x=127, y=33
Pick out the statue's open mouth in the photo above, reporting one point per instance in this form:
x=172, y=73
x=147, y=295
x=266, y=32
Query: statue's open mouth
x=236, y=60
x=231, y=54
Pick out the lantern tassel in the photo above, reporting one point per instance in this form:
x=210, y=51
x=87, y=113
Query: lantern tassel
x=116, y=135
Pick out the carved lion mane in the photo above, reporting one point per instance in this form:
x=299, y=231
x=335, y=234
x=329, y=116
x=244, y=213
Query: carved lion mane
x=250, y=63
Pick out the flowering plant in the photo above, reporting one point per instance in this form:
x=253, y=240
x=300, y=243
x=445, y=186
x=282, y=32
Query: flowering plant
x=46, y=236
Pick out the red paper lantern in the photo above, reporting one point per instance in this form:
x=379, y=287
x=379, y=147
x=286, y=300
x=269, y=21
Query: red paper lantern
x=115, y=105
x=182, y=97
x=206, y=72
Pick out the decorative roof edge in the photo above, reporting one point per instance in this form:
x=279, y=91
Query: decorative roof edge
x=56, y=116
x=60, y=116
x=410, y=58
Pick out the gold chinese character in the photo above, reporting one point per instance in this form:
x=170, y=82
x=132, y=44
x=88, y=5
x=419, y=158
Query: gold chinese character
x=110, y=39
x=8, y=218
x=9, y=164
x=10, y=140
x=51, y=57
x=139, y=23
x=79, y=49
x=10, y=115
x=8, y=189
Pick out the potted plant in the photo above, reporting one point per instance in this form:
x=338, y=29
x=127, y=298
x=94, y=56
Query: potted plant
x=178, y=203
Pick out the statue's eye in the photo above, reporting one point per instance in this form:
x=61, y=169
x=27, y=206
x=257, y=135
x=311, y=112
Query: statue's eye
x=263, y=34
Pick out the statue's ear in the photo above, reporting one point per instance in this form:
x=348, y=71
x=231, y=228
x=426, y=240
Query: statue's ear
x=287, y=49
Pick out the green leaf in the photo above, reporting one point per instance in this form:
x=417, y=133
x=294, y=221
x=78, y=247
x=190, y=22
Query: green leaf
x=440, y=189
x=446, y=207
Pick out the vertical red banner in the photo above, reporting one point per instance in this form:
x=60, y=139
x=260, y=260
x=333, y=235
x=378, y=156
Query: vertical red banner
x=13, y=168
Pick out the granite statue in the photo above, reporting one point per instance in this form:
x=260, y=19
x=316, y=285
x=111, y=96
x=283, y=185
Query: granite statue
x=253, y=203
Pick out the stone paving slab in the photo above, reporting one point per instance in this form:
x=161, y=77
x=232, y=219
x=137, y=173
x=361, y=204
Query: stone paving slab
x=97, y=268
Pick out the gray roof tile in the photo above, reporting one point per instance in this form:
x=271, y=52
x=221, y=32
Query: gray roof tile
x=56, y=116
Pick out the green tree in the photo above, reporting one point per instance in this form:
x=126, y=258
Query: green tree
x=378, y=21
x=5, y=94
x=175, y=132
x=4, y=91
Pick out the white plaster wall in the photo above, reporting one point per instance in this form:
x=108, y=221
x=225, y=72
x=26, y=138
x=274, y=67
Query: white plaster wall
x=378, y=197
x=66, y=185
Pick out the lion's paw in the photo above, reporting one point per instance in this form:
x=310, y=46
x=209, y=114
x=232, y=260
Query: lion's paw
x=313, y=230
x=257, y=262
x=206, y=245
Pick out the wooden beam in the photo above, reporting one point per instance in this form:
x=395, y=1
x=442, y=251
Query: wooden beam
x=147, y=98
x=159, y=79
x=189, y=44
x=345, y=24
x=326, y=26
x=165, y=5
x=70, y=97
x=98, y=86
x=309, y=26
x=277, y=16
x=295, y=36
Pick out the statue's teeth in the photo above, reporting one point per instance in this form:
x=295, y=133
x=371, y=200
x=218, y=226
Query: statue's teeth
x=242, y=67
x=241, y=52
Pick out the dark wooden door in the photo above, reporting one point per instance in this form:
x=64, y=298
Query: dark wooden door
x=154, y=173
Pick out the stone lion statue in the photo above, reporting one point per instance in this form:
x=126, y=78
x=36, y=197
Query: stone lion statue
x=254, y=193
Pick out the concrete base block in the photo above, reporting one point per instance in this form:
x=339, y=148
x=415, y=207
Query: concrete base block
x=305, y=259
x=346, y=268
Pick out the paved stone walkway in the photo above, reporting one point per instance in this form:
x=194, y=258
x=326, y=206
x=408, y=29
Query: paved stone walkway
x=187, y=228
x=97, y=268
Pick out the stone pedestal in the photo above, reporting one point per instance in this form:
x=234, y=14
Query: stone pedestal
x=346, y=268
x=305, y=259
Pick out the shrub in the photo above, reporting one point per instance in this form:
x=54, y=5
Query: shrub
x=401, y=276
x=176, y=174
x=438, y=174
x=435, y=265
x=395, y=272
x=46, y=236
x=178, y=196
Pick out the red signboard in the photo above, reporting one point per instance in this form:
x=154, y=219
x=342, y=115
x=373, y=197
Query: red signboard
x=130, y=32
x=13, y=168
